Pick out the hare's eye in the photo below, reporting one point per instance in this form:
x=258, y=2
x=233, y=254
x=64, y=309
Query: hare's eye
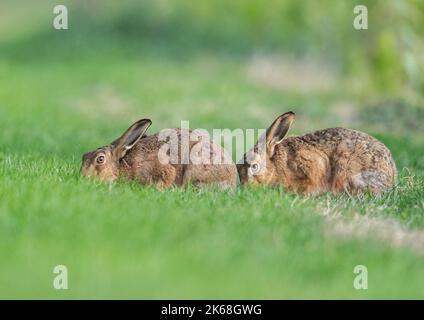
x=100, y=159
x=254, y=168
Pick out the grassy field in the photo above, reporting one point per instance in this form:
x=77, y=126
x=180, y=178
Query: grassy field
x=61, y=96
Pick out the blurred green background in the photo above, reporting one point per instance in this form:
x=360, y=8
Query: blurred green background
x=218, y=64
x=386, y=56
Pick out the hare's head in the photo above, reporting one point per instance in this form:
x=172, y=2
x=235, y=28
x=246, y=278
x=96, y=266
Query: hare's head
x=104, y=163
x=258, y=165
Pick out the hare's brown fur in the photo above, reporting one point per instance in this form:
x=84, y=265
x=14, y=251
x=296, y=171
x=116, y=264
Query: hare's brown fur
x=140, y=162
x=336, y=160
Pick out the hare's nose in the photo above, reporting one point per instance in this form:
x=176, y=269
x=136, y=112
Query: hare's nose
x=84, y=172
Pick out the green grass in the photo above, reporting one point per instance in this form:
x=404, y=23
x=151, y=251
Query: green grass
x=128, y=241
x=132, y=242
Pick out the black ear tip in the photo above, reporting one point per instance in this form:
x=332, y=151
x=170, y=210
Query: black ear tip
x=289, y=114
x=144, y=121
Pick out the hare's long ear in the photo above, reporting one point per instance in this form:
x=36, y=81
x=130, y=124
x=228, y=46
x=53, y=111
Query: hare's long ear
x=278, y=130
x=130, y=137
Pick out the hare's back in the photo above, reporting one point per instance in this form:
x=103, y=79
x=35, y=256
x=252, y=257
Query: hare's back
x=351, y=142
x=330, y=139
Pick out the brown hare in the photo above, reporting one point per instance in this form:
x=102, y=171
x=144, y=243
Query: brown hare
x=136, y=156
x=336, y=160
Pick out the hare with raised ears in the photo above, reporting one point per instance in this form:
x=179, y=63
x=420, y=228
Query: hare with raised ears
x=136, y=156
x=335, y=160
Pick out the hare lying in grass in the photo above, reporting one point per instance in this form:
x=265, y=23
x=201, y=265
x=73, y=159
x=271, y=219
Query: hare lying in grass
x=138, y=157
x=336, y=160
